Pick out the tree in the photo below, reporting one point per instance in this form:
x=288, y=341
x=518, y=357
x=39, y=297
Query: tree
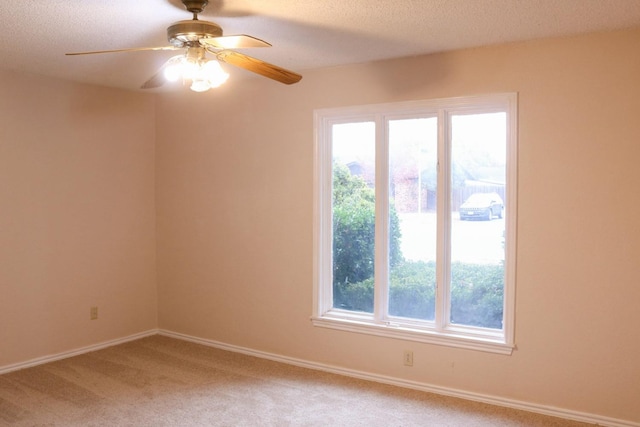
x=354, y=234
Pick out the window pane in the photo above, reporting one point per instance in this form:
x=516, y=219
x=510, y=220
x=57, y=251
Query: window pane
x=478, y=176
x=413, y=158
x=353, y=146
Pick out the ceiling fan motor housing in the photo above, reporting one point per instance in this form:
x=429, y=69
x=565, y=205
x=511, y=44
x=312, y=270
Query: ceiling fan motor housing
x=195, y=6
x=187, y=33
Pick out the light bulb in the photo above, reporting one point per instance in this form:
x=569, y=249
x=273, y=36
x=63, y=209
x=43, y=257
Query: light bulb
x=214, y=73
x=173, y=70
x=198, y=85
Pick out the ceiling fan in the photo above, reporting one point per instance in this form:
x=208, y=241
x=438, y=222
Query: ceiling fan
x=199, y=38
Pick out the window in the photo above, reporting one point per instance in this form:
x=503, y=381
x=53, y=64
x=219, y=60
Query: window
x=415, y=222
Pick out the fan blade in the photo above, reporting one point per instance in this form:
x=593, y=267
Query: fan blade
x=157, y=79
x=258, y=66
x=233, y=42
x=133, y=49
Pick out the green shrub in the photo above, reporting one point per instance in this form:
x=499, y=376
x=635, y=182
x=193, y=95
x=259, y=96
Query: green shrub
x=412, y=290
x=476, y=293
x=355, y=296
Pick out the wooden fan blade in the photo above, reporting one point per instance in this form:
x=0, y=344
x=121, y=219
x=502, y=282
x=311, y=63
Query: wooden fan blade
x=233, y=42
x=258, y=66
x=133, y=49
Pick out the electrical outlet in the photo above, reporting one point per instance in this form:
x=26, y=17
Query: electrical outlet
x=93, y=315
x=408, y=358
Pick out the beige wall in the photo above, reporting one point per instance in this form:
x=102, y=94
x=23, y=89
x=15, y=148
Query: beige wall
x=231, y=195
x=77, y=216
x=234, y=211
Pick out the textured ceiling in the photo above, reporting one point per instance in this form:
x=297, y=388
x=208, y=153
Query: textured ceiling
x=305, y=34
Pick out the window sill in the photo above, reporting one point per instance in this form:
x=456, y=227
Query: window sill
x=491, y=342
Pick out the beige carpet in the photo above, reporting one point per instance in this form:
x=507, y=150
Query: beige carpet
x=160, y=381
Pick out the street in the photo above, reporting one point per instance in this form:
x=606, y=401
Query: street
x=471, y=241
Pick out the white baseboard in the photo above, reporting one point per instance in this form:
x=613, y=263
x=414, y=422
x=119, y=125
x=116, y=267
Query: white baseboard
x=477, y=397
x=76, y=352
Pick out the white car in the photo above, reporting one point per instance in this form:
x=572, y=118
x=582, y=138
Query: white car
x=482, y=206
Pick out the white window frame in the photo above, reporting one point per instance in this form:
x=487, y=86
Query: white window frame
x=437, y=332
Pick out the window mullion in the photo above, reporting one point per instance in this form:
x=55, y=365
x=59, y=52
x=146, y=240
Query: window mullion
x=381, y=280
x=443, y=271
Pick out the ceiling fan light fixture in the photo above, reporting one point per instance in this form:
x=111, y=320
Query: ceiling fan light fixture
x=203, y=74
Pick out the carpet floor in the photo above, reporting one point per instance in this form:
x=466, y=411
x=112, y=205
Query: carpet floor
x=161, y=381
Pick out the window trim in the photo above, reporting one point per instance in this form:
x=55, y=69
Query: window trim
x=323, y=314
